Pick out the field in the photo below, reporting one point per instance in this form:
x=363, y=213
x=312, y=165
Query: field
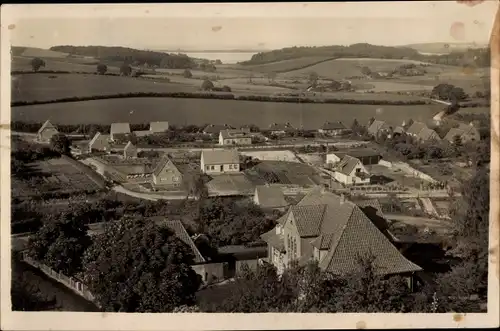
x=272, y=155
x=59, y=64
x=280, y=172
x=182, y=111
x=282, y=66
x=42, y=87
x=54, y=175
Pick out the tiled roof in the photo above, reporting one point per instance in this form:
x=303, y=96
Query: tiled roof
x=270, y=196
x=281, y=127
x=120, y=128
x=98, y=136
x=222, y=156
x=157, y=127
x=233, y=133
x=323, y=242
x=46, y=125
x=426, y=134
x=162, y=163
x=216, y=128
x=347, y=164
x=274, y=239
x=333, y=126
x=181, y=233
x=348, y=233
x=415, y=128
x=129, y=146
x=308, y=219
x=376, y=126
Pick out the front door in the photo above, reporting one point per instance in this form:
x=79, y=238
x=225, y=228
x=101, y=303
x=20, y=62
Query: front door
x=221, y=168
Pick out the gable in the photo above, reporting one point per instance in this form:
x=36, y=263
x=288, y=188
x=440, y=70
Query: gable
x=168, y=168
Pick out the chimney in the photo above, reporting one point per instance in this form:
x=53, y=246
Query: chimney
x=342, y=198
x=322, y=190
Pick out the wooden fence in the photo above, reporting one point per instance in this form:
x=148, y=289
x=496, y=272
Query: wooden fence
x=75, y=285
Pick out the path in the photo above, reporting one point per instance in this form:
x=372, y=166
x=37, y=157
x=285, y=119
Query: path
x=428, y=207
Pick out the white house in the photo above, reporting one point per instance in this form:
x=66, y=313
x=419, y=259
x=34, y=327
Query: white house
x=220, y=161
x=351, y=171
x=235, y=137
x=100, y=142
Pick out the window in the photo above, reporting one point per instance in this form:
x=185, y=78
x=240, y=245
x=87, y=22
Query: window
x=230, y=166
x=213, y=168
x=175, y=178
x=208, y=167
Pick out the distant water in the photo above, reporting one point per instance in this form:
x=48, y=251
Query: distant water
x=225, y=57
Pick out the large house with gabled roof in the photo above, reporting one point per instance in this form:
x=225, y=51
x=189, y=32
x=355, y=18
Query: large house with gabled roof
x=335, y=232
x=46, y=132
x=99, y=143
x=333, y=129
x=465, y=132
x=167, y=175
x=220, y=161
x=351, y=171
x=119, y=131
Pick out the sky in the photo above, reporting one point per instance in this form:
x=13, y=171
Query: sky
x=250, y=26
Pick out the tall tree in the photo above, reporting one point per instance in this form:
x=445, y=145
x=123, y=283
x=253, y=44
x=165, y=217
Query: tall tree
x=37, y=63
x=125, y=70
x=60, y=143
x=102, y=68
x=138, y=266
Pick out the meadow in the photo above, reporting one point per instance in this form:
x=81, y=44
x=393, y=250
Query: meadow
x=281, y=66
x=59, y=64
x=180, y=111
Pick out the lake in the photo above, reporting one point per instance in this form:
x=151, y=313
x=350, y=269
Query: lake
x=180, y=111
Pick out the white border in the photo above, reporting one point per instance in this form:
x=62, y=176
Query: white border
x=110, y=321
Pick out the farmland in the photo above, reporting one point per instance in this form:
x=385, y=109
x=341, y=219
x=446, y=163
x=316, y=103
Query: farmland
x=287, y=173
x=59, y=64
x=43, y=87
x=283, y=66
x=58, y=175
x=181, y=111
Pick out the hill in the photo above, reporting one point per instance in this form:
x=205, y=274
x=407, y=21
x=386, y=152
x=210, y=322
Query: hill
x=443, y=48
x=470, y=57
x=108, y=54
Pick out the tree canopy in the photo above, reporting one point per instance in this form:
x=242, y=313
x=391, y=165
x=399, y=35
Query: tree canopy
x=102, y=68
x=37, y=63
x=138, y=266
x=60, y=143
x=207, y=85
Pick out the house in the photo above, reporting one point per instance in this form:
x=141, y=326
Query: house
x=333, y=129
x=335, y=232
x=351, y=171
x=280, y=129
x=378, y=127
x=46, y=132
x=209, y=272
x=158, y=127
x=220, y=161
x=130, y=150
x=166, y=175
x=235, y=137
x=398, y=130
x=100, y=143
x=427, y=134
x=465, y=132
x=415, y=128
x=215, y=129
x=119, y=131
x=367, y=156
x=270, y=197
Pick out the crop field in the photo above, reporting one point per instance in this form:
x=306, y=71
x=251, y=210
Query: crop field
x=42, y=87
x=393, y=86
x=182, y=111
x=54, y=175
x=283, y=66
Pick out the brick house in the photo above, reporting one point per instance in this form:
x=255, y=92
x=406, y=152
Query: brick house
x=333, y=129
x=166, y=175
x=235, y=137
x=99, y=143
x=220, y=161
x=335, y=232
x=46, y=132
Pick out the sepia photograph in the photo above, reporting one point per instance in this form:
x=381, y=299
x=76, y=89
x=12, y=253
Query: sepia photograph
x=249, y=158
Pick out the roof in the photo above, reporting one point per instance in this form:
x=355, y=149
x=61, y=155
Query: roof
x=142, y=133
x=46, y=125
x=281, y=127
x=180, y=232
x=162, y=163
x=224, y=156
x=273, y=239
x=97, y=136
x=426, y=134
x=234, y=133
x=399, y=129
x=348, y=233
x=415, y=128
x=333, y=126
x=363, y=152
x=270, y=196
x=158, y=126
x=450, y=136
x=216, y=128
x=119, y=128
x=376, y=126
x=128, y=146
x=347, y=164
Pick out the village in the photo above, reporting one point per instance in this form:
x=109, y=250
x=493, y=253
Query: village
x=328, y=172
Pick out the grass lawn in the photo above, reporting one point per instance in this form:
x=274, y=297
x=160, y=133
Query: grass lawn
x=182, y=111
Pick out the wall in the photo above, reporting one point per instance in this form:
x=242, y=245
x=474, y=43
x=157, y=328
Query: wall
x=213, y=271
